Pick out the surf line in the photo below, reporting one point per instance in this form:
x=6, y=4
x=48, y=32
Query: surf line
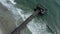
x=38, y=10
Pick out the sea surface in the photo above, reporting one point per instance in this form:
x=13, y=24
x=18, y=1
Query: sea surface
x=14, y=12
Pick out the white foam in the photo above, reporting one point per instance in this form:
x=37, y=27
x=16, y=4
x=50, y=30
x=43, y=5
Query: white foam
x=35, y=28
x=10, y=7
x=12, y=1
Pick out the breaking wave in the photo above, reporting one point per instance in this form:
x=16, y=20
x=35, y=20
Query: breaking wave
x=35, y=28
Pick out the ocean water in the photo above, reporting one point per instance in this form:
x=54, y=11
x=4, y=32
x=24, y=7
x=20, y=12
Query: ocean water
x=22, y=9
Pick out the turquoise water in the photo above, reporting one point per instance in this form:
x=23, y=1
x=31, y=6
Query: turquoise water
x=47, y=24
